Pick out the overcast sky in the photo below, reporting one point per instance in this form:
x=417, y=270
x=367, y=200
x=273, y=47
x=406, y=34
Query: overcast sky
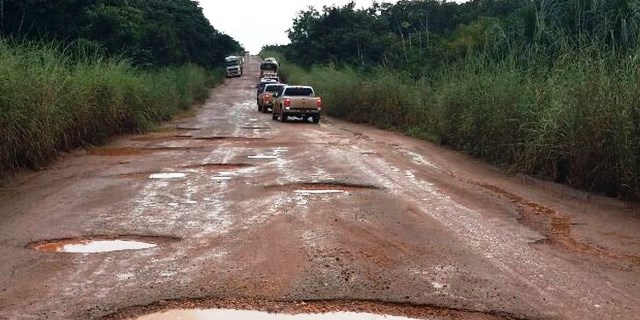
x=256, y=23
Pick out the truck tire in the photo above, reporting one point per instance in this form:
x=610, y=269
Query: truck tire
x=315, y=119
x=260, y=108
x=283, y=117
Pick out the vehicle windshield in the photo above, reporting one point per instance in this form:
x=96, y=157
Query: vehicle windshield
x=273, y=88
x=232, y=63
x=293, y=92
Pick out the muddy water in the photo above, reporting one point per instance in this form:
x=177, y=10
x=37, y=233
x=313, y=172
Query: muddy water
x=221, y=314
x=94, y=246
x=328, y=191
x=168, y=175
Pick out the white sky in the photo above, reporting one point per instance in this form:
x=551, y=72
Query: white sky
x=257, y=23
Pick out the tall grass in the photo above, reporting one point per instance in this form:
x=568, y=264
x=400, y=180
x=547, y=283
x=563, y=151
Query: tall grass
x=51, y=100
x=575, y=121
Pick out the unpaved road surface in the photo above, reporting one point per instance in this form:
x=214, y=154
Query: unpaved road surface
x=409, y=228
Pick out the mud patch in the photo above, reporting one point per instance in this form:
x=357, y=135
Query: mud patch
x=182, y=128
x=558, y=229
x=131, y=151
x=176, y=137
x=310, y=310
x=319, y=191
x=322, y=187
x=218, y=166
x=231, y=139
x=117, y=152
x=98, y=244
x=255, y=128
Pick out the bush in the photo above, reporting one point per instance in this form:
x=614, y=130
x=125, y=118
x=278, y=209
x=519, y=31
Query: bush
x=52, y=100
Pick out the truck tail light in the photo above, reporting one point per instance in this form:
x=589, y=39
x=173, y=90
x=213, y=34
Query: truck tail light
x=287, y=102
x=319, y=103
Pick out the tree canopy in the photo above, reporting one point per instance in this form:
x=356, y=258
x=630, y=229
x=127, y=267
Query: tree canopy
x=151, y=33
x=427, y=32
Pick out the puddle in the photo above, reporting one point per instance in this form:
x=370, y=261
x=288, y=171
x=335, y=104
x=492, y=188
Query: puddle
x=262, y=156
x=218, y=166
x=319, y=191
x=181, y=128
x=225, y=314
x=232, y=139
x=243, y=309
x=322, y=187
x=93, y=246
x=152, y=138
x=221, y=178
x=118, y=151
x=168, y=175
x=130, y=151
x=255, y=128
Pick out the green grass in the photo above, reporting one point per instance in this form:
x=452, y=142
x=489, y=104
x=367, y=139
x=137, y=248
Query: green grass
x=575, y=121
x=52, y=100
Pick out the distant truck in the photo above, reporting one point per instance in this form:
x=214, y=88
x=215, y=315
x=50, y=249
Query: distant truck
x=298, y=101
x=269, y=68
x=234, y=66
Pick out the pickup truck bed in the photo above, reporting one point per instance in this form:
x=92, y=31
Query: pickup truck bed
x=298, y=101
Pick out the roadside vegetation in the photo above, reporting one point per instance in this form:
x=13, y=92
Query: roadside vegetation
x=120, y=67
x=547, y=88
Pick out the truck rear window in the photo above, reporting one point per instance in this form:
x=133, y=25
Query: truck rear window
x=293, y=92
x=272, y=88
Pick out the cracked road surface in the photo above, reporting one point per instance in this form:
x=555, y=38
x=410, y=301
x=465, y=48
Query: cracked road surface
x=250, y=213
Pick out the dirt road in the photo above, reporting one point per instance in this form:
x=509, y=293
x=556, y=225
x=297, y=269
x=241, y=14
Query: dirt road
x=248, y=212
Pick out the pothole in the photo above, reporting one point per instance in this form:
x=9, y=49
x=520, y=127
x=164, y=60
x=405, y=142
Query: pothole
x=181, y=128
x=322, y=187
x=232, y=139
x=221, y=178
x=319, y=191
x=131, y=151
x=168, y=175
x=256, y=127
x=118, y=151
x=227, y=314
x=262, y=157
x=209, y=308
x=218, y=166
x=176, y=137
x=98, y=244
x=559, y=230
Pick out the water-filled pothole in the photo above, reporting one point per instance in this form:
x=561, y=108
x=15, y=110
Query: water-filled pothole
x=131, y=151
x=322, y=187
x=207, y=308
x=232, y=139
x=262, y=157
x=152, y=138
x=227, y=314
x=179, y=128
x=256, y=127
x=168, y=175
x=319, y=191
x=218, y=166
x=98, y=244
